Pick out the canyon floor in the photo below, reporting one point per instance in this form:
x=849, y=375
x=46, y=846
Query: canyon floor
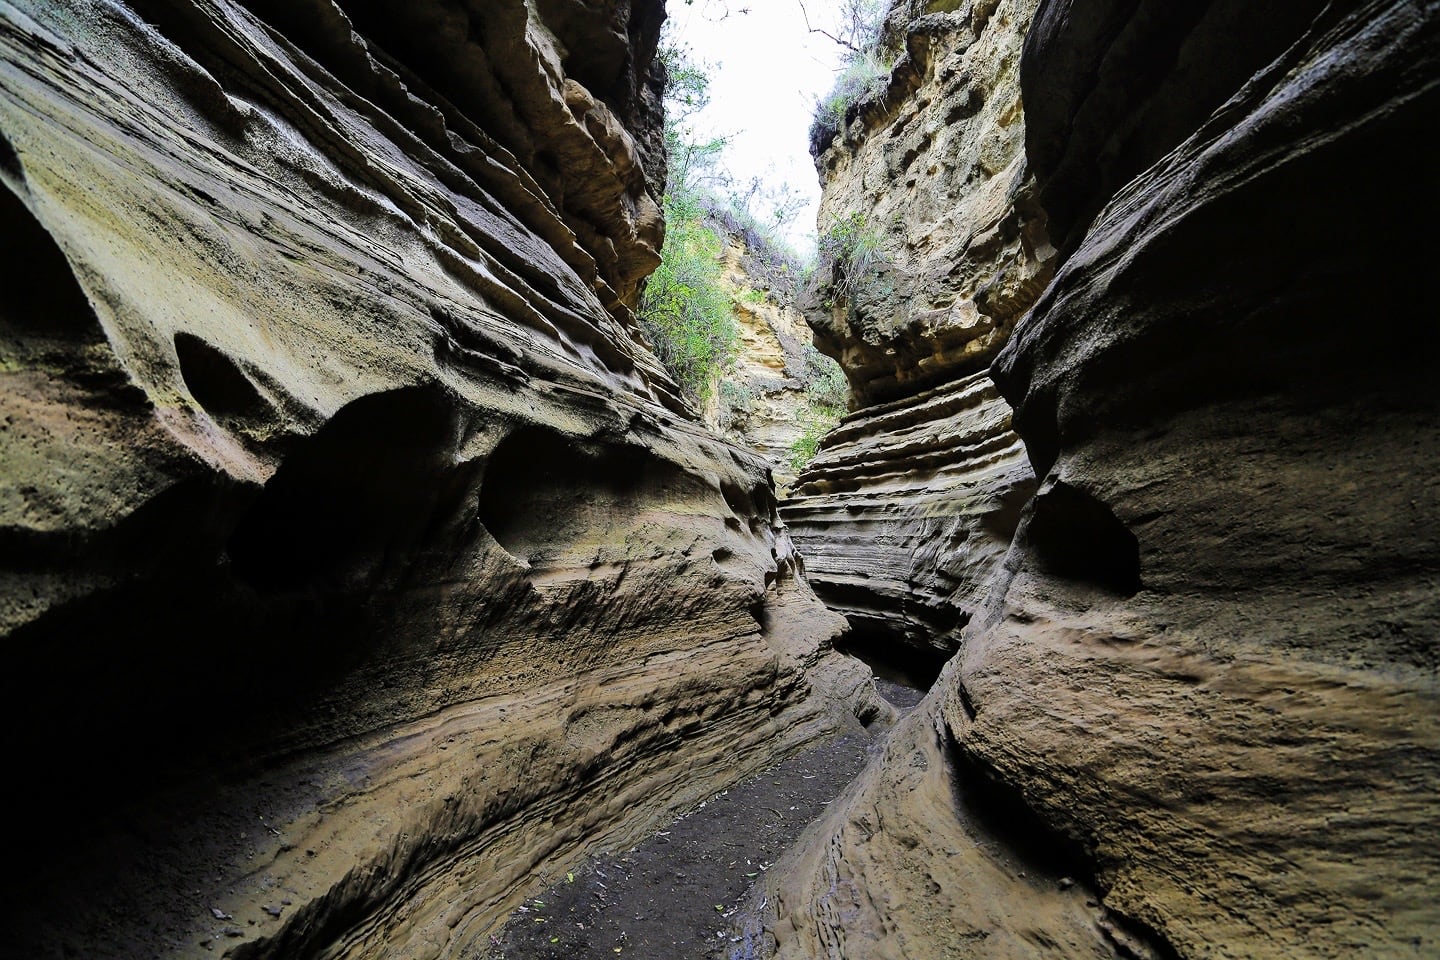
x=681, y=893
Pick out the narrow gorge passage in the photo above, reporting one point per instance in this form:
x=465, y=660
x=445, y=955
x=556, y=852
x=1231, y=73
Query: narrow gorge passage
x=401, y=559
x=689, y=890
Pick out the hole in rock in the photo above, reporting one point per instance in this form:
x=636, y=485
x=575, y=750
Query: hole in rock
x=892, y=660
x=360, y=497
x=9, y=159
x=1074, y=536
x=216, y=381
x=544, y=493
x=42, y=299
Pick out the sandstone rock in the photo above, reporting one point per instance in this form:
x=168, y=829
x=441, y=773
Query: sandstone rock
x=914, y=499
x=354, y=552
x=906, y=510
x=933, y=171
x=1206, y=669
x=760, y=402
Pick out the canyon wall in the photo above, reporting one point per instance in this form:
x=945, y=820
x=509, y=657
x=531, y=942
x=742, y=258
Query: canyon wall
x=1195, y=713
x=760, y=401
x=936, y=247
x=358, y=561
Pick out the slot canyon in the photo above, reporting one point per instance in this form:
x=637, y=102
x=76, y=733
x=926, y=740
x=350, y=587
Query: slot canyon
x=365, y=574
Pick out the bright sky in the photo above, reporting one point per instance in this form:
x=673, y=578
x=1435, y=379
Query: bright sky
x=766, y=70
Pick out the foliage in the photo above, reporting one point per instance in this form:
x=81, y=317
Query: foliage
x=863, y=70
x=849, y=258
x=826, y=393
x=816, y=422
x=862, y=76
x=825, y=384
x=737, y=400
x=685, y=310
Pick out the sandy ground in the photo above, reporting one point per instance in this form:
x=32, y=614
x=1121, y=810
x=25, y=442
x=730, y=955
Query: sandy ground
x=673, y=897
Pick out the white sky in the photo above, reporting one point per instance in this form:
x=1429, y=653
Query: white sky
x=766, y=70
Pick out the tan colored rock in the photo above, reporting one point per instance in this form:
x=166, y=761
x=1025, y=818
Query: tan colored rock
x=760, y=401
x=1204, y=675
x=915, y=498
x=934, y=169
x=357, y=561
x=905, y=511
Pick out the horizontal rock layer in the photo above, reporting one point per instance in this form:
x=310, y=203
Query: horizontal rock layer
x=902, y=515
x=1205, y=677
x=356, y=558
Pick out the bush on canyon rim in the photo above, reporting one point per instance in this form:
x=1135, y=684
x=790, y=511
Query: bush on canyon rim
x=685, y=310
x=864, y=69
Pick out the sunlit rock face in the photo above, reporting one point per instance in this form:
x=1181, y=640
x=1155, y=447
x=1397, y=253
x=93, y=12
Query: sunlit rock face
x=760, y=400
x=910, y=504
x=357, y=559
x=1196, y=713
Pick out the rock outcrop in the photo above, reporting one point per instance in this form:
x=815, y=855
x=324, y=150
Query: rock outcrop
x=937, y=247
x=1202, y=685
x=907, y=509
x=357, y=560
x=761, y=400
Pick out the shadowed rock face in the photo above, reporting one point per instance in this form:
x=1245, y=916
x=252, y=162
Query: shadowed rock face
x=1205, y=675
x=911, y=503
x=356, y=558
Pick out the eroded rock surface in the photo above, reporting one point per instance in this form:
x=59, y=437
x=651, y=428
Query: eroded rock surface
x=760, y=401
x=1204, y=679
x=932, y=172
x=908, y=507
x=356, y=558
x=914, y=499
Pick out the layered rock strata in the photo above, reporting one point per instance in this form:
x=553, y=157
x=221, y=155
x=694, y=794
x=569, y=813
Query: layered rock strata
x=1203, y=682
x=907, y=509
x=937, y=248
x=356, y=558
x=929, y=178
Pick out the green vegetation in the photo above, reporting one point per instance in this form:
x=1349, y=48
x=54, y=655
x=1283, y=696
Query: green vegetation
x=685, y=310
x=849, y=259
x=826, y=393
x=864, y=69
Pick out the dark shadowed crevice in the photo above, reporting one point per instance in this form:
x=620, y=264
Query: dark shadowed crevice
x=348, y=503
x=42, y=301
x=1073, y=536
x=216, y=381
x=544, y=493
x=9, y=159
x=890, y=659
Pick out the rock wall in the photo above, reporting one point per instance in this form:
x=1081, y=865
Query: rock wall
x=908, y=506
x=760, y=401
x=357, y=560
x=1196, y=714
x=907, y=509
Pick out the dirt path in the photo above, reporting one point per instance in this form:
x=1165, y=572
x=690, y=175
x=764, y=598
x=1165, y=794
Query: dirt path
x=672, y=897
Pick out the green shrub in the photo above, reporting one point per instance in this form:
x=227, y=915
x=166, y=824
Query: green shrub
x=816, y=422
x=685, y=310
x=826, y=394
x=863, y=75
x=849, y=259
